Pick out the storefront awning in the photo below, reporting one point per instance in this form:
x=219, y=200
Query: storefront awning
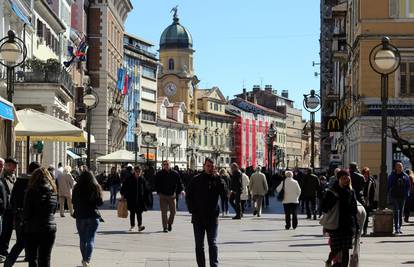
x=6, y=110
x=19, y=13
x=72, y=155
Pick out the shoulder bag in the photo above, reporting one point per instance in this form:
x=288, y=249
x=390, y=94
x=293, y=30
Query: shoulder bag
x=330, y=220
x=281, y=194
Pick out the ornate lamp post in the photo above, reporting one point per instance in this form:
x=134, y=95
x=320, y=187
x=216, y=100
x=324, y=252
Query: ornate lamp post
x=91, y=100
x=311, y=103
x=149, y=140
x=13, y=53
x=384, y=59
x=271, y=133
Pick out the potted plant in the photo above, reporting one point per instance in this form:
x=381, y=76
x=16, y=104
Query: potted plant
x=52, y=69
x=37, y=67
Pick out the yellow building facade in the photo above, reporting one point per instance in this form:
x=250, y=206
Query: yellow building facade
x=367, y=22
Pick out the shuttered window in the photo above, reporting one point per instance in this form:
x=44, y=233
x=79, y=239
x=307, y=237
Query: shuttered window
x=407, y=79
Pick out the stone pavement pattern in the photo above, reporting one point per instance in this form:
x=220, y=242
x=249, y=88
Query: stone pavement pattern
x=251, y=241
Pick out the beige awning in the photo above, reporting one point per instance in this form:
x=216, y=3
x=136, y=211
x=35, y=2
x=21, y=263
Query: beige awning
x=43, y=127
x=120, y=156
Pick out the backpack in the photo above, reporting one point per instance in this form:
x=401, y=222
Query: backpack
x=397, y=188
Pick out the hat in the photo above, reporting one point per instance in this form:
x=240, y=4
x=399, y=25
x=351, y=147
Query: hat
x=130, y=165
x=51, y=167
x=11, y=160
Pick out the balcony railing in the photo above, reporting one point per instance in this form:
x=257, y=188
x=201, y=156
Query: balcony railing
x=61, y=77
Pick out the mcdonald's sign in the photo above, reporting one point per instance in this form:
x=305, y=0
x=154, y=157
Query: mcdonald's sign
x=333, y=124
x=343, y=112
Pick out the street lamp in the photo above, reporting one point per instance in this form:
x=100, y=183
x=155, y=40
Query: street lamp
x=148, y=139
x=384, y=59
x=13, y=53
x=311, y=103
x=174, y=148
x=271, y=133
x=91, y=100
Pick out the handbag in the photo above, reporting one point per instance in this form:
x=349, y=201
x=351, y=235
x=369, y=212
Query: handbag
x=281, y=194
x=122, y=209
x=330, y=219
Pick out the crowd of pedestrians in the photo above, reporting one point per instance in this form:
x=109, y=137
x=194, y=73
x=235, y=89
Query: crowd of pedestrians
x=344, y=201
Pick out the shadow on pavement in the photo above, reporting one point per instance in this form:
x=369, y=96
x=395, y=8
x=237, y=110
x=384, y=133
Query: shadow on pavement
x=309, y=245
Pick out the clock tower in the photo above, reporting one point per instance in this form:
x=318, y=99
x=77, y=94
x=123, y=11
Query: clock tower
x=177, y=80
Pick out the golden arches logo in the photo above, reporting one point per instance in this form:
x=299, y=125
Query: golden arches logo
x=333, y=124
x=343, y=112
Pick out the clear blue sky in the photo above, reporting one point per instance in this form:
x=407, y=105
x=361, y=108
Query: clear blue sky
x=255, y=42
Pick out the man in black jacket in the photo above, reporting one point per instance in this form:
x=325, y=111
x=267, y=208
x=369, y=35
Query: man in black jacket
x=358, y=182
x=236, y=188
x=168, y=185
x=202, y=196
x=8, y=178
x=17, y=202
x=310, y=186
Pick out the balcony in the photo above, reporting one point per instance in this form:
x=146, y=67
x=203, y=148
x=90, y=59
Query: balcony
x=60, y=78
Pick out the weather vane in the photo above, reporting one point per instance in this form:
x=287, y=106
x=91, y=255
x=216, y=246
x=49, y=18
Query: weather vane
x=175, y=10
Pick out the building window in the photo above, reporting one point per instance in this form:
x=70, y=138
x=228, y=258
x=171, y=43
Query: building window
x=211, y=106
x=407, y=79
x=401, y=8
x=205, y=140
x=171, y=64
x=215, y=106
x=148, y=94
x=148, y=115
x=212, y=140
x=149, y=72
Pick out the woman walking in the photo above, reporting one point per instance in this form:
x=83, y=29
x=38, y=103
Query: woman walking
x=39, y=224
x=341, y=238
x=225, y=177
x=290, y=199
x=114, y=183
x=86, y=198
x=136, y=194
x=65, y=186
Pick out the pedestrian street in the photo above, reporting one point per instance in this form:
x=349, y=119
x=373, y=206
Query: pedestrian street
x=251, y=241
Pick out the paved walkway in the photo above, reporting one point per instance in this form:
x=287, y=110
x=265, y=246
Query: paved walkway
x=251, y=241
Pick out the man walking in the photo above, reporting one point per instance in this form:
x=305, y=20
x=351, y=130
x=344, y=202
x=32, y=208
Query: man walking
x=168, y=185
x=357, y=181
x=202, y=196
x=236, y=188
x=398, y=190
x=258, y=187
x=8, y=178
x=16, y=202
x=310, y=186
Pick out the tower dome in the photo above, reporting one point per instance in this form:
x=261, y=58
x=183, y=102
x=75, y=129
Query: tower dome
x=176, y=36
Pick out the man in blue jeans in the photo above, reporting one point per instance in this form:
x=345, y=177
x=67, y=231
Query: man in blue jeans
x=202, y=196
x=398, y=190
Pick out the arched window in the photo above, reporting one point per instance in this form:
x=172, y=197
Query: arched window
x=171, y=64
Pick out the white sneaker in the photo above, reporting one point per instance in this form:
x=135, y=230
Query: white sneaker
x=132, y=228
x=85, y=264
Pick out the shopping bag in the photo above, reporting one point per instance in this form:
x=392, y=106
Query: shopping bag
x=122, y=209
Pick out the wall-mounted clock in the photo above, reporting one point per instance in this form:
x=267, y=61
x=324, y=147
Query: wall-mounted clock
x=170, y=89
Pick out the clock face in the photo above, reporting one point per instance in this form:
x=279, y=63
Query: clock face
x=170, y=89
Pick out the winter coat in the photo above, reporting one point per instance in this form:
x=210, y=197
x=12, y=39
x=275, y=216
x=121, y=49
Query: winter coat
x=135, y=192
x=39, y=210
x=348, y=224
x=258, y=184
x=202, y=195
x=85, y=204
x=310, y=185
x=407, y=184
x=17, y=196
x=8, y=181
x=292, y=191
x=236, y=182
x=245, y=182
x=66, y=183
x=113, y=179
x=358, y=184
x=369, y=193
x=168, y=183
